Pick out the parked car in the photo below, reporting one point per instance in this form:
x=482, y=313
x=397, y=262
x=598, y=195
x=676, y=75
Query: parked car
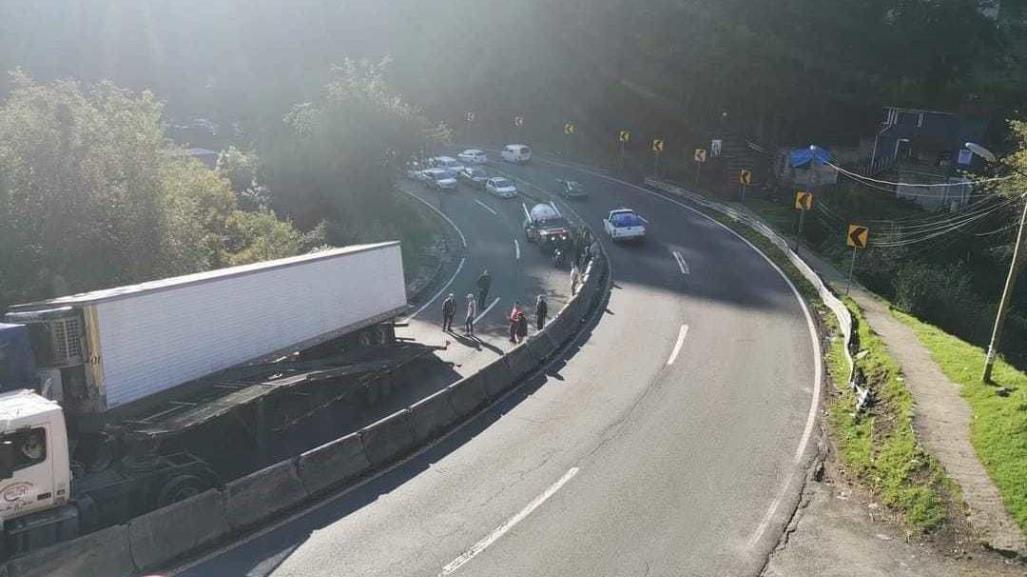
x=474, y=177
x=473, y=156
x=625, y=224
x=571, y=189
x=439, y=179
x=516, y=153
x=415, y=171
x=501, y=187
x=448, y=162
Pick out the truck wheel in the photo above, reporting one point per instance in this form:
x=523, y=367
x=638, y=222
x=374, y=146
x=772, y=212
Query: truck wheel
x=180, y=488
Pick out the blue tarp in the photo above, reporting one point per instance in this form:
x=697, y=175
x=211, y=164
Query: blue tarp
x=17, y=365
x=801, y=156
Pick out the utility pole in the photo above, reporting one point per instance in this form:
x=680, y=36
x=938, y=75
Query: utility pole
x=1007, y=296
x=1014, y=271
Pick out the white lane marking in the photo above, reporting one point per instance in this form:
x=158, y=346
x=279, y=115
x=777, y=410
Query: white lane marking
x=486, y=207
x=463, y=239
x=677, y=346
x=517, y=249
x=682, y=264
x=486, y=311
x=509, y=524
x=438, y=294
x=817, y=361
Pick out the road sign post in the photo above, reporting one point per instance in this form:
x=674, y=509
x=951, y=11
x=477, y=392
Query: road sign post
x=657, y=148
x=699, y=157
x=744, y=180
x=856, y=237
x=568, y=131
x=803, y=202
x=623, y=137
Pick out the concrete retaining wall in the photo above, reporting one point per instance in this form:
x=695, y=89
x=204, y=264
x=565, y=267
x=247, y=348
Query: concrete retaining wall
x=167, y=533
x=105, y=553
x=333, y=464
x=262, y=494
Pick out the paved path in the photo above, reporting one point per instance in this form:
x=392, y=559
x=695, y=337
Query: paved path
x=672, y=441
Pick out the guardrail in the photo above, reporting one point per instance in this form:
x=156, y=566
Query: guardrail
x=837, y=307
x=158, y=538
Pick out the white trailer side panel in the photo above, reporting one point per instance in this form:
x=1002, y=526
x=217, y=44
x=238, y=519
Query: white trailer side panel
x=155, y=340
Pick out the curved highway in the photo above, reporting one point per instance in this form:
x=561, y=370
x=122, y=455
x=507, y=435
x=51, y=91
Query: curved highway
x=671, y=441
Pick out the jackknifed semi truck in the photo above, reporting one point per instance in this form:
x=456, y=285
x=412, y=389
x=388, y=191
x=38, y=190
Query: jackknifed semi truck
x=120, y=401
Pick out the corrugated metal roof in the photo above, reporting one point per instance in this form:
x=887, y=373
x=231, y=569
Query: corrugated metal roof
x=196, y=278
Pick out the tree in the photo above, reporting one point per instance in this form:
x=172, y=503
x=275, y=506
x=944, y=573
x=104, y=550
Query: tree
x=93, y=195
x=340, y=153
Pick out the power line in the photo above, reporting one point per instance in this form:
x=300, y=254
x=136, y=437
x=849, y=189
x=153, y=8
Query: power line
x=854, y=175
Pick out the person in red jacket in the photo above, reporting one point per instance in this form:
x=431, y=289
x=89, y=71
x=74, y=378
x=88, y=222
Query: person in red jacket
x=515, y=315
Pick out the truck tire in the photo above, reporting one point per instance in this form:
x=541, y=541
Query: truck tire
x=180, y=488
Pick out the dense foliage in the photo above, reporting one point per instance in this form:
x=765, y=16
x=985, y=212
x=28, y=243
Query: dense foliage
x=92, y=194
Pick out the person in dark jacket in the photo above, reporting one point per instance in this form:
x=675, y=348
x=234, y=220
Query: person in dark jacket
x=448, y=312
x=484, y=284
x=541, y=311
x=522, y=326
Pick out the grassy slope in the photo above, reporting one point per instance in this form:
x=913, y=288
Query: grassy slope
x=878, y=446
x=998, y=428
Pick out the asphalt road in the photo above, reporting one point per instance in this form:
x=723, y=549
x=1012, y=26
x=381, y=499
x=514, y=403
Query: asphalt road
x=670, y=442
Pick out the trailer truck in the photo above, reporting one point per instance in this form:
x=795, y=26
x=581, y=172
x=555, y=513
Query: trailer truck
x=110, y=400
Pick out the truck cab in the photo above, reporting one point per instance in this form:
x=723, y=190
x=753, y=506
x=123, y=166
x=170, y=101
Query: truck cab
x=35, y=473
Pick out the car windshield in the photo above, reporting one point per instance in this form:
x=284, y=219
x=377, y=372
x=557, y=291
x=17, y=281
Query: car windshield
x=551, y=223
x=573, y=186
x=626, y=219
x=476, y=173
x=501, y=183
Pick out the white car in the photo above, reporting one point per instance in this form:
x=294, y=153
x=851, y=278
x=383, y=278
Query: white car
x=448, y=162
x=516, y=153
x=501, y=187
x=625, y=224
x=473, y=156
x=439, y=179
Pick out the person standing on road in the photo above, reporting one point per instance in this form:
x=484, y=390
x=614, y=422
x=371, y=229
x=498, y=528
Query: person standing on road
x=541, y=311
x=469, y=320
x=522, y=326
x=515, y=314
x=575, y=279
x=484, y=284
x=448, y=312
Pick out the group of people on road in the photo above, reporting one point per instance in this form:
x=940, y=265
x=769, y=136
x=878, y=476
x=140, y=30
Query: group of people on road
x=518, y=318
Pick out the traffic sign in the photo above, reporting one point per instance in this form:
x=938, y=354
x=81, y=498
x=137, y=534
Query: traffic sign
x=803, y=200
x=657, y=145
x=518, y=121
x=700, y=155
x=470, y=117
x=624, y=136
x=568, y=128
x=745, y=177
x=858, y=236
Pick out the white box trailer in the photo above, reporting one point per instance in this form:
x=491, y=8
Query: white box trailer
x=114, y=347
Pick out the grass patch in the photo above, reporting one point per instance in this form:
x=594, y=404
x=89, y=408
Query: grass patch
x=998, y=428
x=878, y=445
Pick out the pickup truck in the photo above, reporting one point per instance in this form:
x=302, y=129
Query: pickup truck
x=625, y=224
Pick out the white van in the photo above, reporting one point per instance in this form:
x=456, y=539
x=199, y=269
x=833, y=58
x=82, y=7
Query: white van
x=516, y=153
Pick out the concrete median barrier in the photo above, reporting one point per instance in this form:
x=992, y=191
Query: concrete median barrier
x=105, y=553
x=388, y=439
x=561, y=330
x=432, y=416
x=333, y=464
x=540, y=347
x=520, y=362
x=496, y=379
x=468, y=394
x=262, y=494
x=170, y=532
